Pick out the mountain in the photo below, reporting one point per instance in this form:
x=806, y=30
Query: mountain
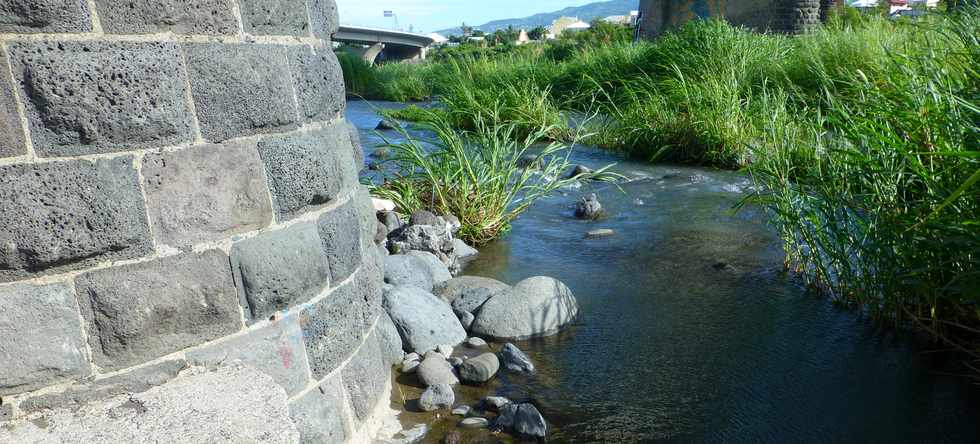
x=585, y=13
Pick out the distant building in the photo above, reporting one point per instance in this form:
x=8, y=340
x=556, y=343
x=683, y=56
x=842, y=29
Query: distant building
x=438, y=39
x=522, y=38
x=626, y=20
x=563, y=24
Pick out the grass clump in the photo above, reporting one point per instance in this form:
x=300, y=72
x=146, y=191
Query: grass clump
x=475, y=174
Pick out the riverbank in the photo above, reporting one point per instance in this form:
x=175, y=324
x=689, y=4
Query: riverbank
x=861, y=137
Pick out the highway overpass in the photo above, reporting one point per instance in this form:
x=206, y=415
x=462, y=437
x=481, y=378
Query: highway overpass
x=384, y=44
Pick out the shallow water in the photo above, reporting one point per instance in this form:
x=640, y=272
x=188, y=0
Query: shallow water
x=691, y=331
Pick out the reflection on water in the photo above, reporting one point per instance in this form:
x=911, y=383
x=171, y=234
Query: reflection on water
x=692, y=332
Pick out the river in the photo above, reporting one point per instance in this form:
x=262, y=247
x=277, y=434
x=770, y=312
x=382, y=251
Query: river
x=692, y=331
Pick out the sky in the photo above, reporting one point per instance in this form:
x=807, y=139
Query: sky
x=433, y=15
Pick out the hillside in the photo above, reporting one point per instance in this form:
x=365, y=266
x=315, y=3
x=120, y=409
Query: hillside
x=585, y=12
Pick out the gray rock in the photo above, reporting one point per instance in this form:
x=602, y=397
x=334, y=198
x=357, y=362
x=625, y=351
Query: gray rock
x=335, y=326
x=205, y=193
x=279, y=269
x=475, y=422
x=436, y=268
x=413, y=356
x=465, y=318
x=452, y=289
x=455, y=362
x=473, y=299
x=423, y=321
x=274, y=17
x=324, y=19
x=537, y=306
x=437, y=397
x=240, y=90
x=308, y=170
x=462, y=410
x=434, y=369
x=387, y=124
x=340, y=235
x=276, y=350
x=138, y=312
x=40, y=337
x=198, y=406
x=365, y=378
x=479, y=369
x=410, y=366
x=422, y=217
x=434, y=239
x=445, y=350
x=380, y=234
x=522, y=420
x=319, y=82
x=602, y=232
x=414, y=435
x=122, y=95
x=454, y=223
x=20, y=16
x=495, y=403
x=12, y=138
x=463, y=250
x=381, y=153
x=529, y=161
x=579, y=170
x=515, y=360
x=199, y=17
x=588, y=208
x=98, y=208
x=475, y=342
x=405, y=270
x=134, y=381
x=319, y=415
x=390, y=341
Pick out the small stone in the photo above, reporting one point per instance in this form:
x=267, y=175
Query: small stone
x=638, y=202
x=409, y=367
x=382, y=204
x=515, y=360
x=462, y=410
x=387, y=124
x=413, y=357
x=588, y=207
x=465, y=318
x=423, y=217
x=381, y=153
x=437, y=397
x=445, y=350
x=602, y=232
x=463, y=250
x=455, y=362
x=452, y=438
x=476, y=342
x=436, y=370
x=479, y=369
x=474, y=422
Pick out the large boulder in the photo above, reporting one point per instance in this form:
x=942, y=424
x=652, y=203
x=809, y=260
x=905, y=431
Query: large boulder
x=404, y=270
x=523, y=420
x=436, y=268
x=537, y=306
x=391, y=341
x=515, y=360
x=435, y=369
x=471, y=301
x=479, y=369
x=424, y=322
x=452, y=289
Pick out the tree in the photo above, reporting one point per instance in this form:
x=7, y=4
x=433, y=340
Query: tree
x=537, y=33
x=467, y=30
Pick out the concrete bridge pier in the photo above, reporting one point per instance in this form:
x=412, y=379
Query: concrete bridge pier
x=370, y=53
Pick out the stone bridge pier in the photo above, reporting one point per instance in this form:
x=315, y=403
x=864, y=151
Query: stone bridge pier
x=782, y=16
x=185, y=252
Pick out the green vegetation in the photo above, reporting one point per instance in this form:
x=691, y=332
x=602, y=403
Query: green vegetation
x=475, y=174
x=863, y=136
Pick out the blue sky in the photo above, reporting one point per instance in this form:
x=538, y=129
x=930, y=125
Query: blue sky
x=431, y=15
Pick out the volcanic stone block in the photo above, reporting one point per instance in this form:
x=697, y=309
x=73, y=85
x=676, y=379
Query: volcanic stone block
x=340, y=233
x=367, y=216
x=136, y=381
x=336, y=325
x=67, y=215
x=355, y=141
x=33, y=16
x=206, y=192
x=365, y=377
x=275, y=17
x=11, y=132
x=40, y=337
x=209, y=17
x=319, y=414
x=97, y=97
x=319, y=82
x=277, y=270
x=323, y=18
x=139, y=312
x=308, y=170
x=276, y=350
x=240, y=90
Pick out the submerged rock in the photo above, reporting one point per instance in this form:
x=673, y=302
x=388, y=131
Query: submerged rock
x=474, y=422
x=387, y=124
x=414, y=435
x=515, y=360
x=423, y=321
x=434, y=369
x=462, y=410
x=529, y=161
x=602, y=232
x=479, y=369
x=437, y=397
x=537, y=306
x=523, y=420
x=588, y=208
x=579, y=170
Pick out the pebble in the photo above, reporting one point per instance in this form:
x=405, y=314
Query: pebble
x=462, y=410
x=476, y=342
x=474, y=422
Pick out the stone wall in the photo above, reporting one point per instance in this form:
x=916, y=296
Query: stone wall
x=782, y=16
x=178, y=188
